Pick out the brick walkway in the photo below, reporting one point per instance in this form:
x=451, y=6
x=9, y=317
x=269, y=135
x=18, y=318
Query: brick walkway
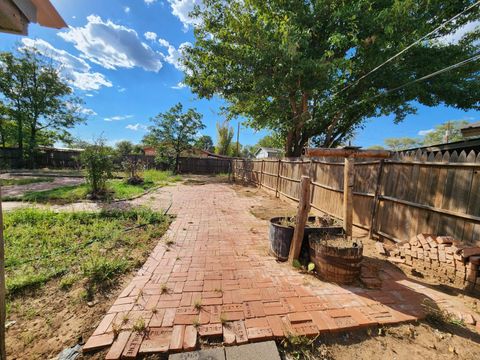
x=217, y=280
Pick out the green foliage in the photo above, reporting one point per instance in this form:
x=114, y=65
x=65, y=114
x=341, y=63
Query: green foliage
x=275, y=140
x=224, y=138
x=25, y=181
x=174, y=131
x=296, y=264
x=403, y=143
x=36, y=101
x=96, y=159
x=310, y=267
x=446, y=132
x=204, y=142
x=42, y=244
x=285, y=65
x=101, y=269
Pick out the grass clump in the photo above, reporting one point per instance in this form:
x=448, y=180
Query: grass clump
x=41, y=245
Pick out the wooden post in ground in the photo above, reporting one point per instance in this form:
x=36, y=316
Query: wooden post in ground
x=348, y=181
x=279, y=164
x=3, y=355
x=373, y=221
x=301, y=219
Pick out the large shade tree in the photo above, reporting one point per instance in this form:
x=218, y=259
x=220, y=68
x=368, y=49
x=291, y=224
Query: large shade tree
x=173, y=132
x=286, y=65
x=38, y=101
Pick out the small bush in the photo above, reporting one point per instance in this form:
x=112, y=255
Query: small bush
x=96, y=159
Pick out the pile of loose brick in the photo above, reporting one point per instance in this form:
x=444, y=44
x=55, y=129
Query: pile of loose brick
x=441, y=256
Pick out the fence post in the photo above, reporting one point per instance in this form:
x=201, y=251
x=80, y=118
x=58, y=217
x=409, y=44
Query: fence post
x=348, y=181
x=278, y=177
x=373, y=221
x=261, y=173
x=301, y=219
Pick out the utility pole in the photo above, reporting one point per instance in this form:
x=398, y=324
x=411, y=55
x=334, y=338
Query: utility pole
x=238, y=139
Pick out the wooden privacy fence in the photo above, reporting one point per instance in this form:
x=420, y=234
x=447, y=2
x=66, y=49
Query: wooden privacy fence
x=196, y=165
x=395, y=198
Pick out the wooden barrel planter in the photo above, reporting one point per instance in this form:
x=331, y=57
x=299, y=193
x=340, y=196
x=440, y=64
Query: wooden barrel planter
x=281, y=234
x=339, y=264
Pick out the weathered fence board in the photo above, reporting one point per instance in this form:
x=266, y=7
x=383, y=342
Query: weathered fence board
x=406, y=195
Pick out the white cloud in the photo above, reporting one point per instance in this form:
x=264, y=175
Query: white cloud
x=182, y=10
x=149, y=2
x=112, y=46
x=126, y=9
x=87, y=111
x=179, y=86
x=425, y=132
x=174, y=56
x=118, y=117
x=457, y=35
x=150, y=35
x=136, y=127
x=73, y=69
x=89, y=95
x=121, y=89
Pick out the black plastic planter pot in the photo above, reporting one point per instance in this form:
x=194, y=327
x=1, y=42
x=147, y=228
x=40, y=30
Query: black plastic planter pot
x=281, y=236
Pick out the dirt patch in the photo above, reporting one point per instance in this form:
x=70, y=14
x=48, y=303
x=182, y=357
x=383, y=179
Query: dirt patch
x=49, y=320
x=19, y=190
x=265, y=205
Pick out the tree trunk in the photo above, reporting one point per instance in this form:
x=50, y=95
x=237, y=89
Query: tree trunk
x=177, y=160
x=31, y=147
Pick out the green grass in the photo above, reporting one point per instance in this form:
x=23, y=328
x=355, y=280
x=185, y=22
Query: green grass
x=118, y=189
x=41, y=245
x=26, y=181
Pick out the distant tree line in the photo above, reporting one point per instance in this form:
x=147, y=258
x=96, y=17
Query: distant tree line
x=37, y=107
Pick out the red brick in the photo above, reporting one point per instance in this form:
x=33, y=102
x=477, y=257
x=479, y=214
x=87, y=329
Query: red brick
x=163, y=304
x=118, y=345
x=157, y=318
x=256, y=323
x=120, y=308
x=323, y=321
x=276, y=324
x=305, y=329
x=104, y=324
x=186, y=299
x=133, y=346
x=212, y=301
x=152, y=302
x=185, y=319
x=240, y=331
x=259, y=334
x=210, y=330
x=168, y=317
x=178, y=287
x=176, y=343
x=228, y=334
x=190, y=338
x=156, y=340
x=227, y=297
x=299, y=317
x=97, y=342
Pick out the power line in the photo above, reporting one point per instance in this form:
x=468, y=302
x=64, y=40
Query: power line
x=438, y=72
x=407, y=48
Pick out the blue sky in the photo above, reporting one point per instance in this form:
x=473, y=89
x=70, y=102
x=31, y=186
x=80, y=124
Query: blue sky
x=122, y=58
